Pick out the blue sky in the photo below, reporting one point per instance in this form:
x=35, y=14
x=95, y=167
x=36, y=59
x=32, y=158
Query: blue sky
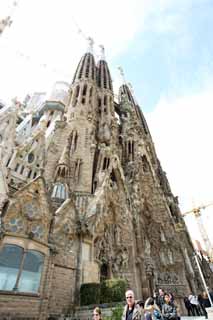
x=173, y=53
x=165, y=48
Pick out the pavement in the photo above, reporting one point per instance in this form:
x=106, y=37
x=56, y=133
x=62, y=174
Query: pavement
x=192, y=318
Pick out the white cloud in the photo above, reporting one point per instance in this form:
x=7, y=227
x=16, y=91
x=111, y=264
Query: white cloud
x=182, y=131
x=45, y=32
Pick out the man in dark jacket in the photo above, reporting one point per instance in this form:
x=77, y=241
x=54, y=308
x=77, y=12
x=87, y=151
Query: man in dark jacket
x=188, y=307
x=169, y=311
x=159, y=299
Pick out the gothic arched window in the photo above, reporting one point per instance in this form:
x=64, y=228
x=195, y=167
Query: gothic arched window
x=77, y=90
x=29, y=174
x=129, y=147
x=87, y=66
x=105, y=100
x=99, y=105
x=20, y=270
x=105, y=78
x=73, y=141
x=17, y=167
x=146, y=166
x=84, y=90
x=59, y=192
x=22, y=170
x=106, y=163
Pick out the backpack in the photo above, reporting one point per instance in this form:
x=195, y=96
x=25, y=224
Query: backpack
x=157, y=315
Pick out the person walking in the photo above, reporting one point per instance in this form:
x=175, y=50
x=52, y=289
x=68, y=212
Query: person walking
x=205, y=303
x=195, y=304
x=169, y=310
x=188, y=306
x=132, y=311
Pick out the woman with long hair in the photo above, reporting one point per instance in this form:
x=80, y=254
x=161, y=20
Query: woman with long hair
x=169, y=310
x=97, y=314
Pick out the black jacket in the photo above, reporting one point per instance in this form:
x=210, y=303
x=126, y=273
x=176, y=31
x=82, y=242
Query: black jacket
x=159, y=301
x=169, y=311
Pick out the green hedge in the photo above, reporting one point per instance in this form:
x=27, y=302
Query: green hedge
x=108, y=291
x=117, y=312
x=113, y=290
x=89, y=294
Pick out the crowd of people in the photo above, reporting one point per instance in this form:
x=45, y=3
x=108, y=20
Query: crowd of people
x=160, y=307
x=196, y=305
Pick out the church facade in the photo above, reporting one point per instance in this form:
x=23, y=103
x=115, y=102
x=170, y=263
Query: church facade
x=83, y=197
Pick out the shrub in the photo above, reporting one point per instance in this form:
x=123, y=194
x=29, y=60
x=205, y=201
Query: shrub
x=113, y=290
x=89, y=294
x=117, y=312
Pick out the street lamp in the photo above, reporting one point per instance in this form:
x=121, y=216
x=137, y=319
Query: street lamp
x=209, y=310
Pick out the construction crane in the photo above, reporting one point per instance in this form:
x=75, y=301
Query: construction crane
x=197, y=213
x=6, y=22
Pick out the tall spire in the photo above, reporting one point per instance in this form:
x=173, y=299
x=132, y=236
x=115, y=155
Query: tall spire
x=126, y=90
x=103, y=75
x=132, y=91
x=86, y=67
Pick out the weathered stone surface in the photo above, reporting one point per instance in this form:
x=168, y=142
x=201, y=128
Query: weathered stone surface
x=82, y=184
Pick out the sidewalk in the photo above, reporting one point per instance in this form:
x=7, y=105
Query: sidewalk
x=192, y=318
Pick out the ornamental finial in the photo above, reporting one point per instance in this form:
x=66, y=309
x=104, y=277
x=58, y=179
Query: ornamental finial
x=90, y=44
x=102, y=54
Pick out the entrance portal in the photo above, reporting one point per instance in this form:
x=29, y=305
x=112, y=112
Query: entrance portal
x=105, y=272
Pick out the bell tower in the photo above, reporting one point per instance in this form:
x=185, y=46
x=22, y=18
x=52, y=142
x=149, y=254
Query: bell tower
x=81, y=119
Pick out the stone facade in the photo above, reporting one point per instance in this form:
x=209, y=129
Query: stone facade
x=83, y=197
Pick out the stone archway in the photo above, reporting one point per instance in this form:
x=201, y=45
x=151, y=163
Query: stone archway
x=104, y=271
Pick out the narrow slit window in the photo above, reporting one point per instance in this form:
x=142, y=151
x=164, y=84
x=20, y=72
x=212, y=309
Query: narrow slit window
x=22, y=170
x=29, y=174
x=17, y=166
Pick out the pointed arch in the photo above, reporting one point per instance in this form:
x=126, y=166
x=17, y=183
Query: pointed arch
x=73, y=141
x=76, y=95
x=145, y=164
x=105, y=100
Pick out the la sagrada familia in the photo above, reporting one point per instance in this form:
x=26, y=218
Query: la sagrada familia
x=83, y=197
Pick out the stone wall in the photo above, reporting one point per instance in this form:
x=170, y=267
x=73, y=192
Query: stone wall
x=18, y=306
x=61, y=295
